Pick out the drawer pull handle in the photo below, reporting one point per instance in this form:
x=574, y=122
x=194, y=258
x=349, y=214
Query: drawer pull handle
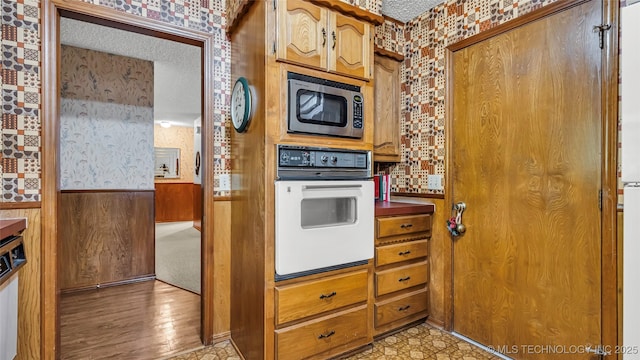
x=406, y=252
x=326, y=296
x=406, y=226
x=324, y=336
x=404, y=308
x=404, y=279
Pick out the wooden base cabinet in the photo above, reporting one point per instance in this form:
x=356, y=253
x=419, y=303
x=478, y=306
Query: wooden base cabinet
x=401, y=270
x=323, y=317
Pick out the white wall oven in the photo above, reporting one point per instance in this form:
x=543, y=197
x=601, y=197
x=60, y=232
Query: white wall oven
x=324, y=107
x=324, y=210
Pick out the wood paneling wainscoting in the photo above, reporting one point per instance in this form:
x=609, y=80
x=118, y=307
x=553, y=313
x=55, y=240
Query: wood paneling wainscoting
x=197, y=206
x=174, y=201
x=106, y=237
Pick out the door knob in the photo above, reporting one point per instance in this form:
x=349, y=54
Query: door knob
x=454, y=224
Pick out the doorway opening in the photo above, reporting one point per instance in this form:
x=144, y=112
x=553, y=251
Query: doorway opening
x=53, y=193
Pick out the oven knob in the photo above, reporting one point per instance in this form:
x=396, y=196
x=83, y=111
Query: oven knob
x=284, y=157
x=334, y=160
x=324, y=159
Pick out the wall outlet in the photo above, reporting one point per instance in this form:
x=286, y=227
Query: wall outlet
x=434, y=182
x=225, y=182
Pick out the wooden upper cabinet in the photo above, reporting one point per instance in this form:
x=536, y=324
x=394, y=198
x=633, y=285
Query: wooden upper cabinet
x=316, y=37
x=386, y=133
x=302, y=33
x=350, y=52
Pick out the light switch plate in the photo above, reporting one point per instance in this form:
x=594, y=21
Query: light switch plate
x=434, y=182
x=225, y=182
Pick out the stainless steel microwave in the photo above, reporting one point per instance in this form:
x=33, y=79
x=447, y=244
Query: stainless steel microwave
x=324, y=107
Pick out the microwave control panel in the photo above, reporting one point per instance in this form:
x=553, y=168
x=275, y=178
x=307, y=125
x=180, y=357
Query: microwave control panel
x=322, y=158
x=357, y=111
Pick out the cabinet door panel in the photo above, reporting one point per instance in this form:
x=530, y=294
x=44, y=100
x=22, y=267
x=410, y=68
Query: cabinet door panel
x=386, y=138
x=302, y=34
x=349, y=53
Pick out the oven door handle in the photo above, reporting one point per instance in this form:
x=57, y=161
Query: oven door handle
x=331, y=187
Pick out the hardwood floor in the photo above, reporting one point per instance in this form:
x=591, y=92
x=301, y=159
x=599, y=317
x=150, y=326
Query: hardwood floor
x=147, y=320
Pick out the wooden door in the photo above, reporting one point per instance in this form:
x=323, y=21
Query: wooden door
x=526, y=142
x=349, y=46
x=302, y=33
x=386, y=136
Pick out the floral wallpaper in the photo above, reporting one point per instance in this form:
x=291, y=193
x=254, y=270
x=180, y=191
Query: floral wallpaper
x=106, y=121
x=177, y=137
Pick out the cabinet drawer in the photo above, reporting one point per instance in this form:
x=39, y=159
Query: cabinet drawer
x=401, y=225
x=314, y=297
x=409, y=250
x=398, y=308
x=401, y=278
x=320, y=335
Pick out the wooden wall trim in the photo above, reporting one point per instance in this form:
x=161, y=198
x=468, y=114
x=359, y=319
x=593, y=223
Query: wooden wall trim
x=545, y=11
x=610, y=282
x=390, y=54
x=110, y=284
x=425, y=196
x=52, y=10
x=50, y=337
x=20, y=205
x=99, y=191
x=447, y=247
x=351, y=10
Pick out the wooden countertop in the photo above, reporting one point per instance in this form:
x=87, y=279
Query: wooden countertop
x=386, y=208
x=10, y=227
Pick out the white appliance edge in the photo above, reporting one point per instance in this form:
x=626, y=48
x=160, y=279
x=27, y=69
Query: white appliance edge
x=630, y=152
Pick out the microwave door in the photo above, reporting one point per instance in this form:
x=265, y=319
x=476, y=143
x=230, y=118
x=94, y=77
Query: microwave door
x=311, y=105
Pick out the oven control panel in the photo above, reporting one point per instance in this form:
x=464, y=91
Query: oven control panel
x=323, y=162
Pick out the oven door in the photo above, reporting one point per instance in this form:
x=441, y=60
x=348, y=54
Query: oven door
x=322, y=225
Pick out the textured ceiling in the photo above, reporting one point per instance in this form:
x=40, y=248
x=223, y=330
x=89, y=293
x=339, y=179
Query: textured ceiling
x=177, y=75
x=405, y=10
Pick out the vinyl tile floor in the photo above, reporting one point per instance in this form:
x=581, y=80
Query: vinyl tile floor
x=419, y=342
